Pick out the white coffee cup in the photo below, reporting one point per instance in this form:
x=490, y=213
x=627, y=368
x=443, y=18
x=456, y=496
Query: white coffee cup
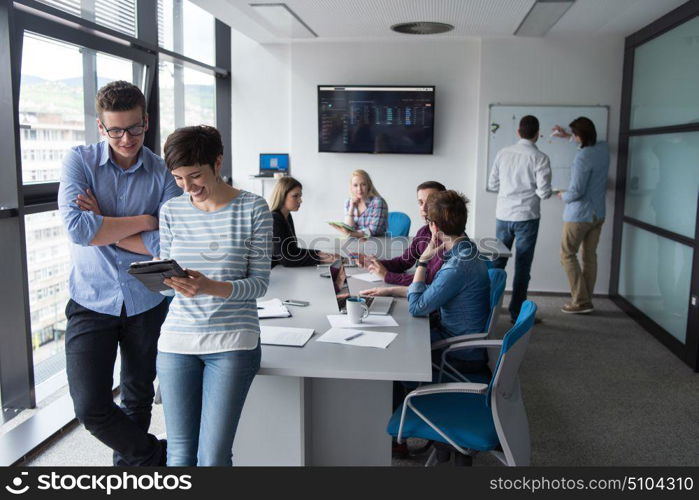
x=357, y=309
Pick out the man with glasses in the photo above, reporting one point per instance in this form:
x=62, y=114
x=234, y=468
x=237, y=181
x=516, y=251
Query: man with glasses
x=109, y=197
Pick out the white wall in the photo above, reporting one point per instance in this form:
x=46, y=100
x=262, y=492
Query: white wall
x=451, y=66
x=260, y=105
x=275, y=110
x=550, y=71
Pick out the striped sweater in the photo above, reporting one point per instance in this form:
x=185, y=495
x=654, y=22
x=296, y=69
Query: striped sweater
x=231, y=244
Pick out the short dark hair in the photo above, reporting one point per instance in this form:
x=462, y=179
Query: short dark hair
x=119, y=96
x=528, y=127
x=585, y=129
x=189, y=146
x=431, y=185
x=449, y=211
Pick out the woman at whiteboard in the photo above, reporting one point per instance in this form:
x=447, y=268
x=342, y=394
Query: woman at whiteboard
x=584, y=212
x=365, y=210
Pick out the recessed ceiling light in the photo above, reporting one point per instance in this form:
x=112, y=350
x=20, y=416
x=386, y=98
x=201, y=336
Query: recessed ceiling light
x=422, y=28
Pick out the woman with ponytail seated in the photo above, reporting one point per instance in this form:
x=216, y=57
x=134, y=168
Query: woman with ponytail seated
x=286, y=198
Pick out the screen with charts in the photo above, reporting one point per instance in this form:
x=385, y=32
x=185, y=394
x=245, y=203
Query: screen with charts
x=272, y=163
x=374, y=119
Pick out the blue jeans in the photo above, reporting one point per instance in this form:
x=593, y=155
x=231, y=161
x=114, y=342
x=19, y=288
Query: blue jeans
x=203, y=397
x=92, y=340
x=523, y=234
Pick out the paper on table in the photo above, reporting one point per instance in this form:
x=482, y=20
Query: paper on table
x=370, y=277
x=367, y=339
x=282, y=335
x=371, y=321
x=272, y=308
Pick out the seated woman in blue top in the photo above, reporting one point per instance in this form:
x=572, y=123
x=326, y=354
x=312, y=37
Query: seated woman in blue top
x=460, y=291
x=366, y=211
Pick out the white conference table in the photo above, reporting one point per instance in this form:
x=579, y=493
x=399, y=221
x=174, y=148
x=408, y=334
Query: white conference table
x=326, y=404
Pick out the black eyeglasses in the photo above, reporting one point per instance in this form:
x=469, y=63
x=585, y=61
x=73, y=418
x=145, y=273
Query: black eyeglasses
x=116, y=132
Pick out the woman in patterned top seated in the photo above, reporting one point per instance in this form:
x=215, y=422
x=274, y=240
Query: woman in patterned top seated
x=365, y=210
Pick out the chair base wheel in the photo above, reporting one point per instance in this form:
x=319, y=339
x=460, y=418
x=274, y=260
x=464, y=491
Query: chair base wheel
x=443, y=455
x=462, y=460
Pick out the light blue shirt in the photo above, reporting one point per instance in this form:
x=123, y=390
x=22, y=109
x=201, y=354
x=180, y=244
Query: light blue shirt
x=232, y=244
x=585, y=197
x=98, y=278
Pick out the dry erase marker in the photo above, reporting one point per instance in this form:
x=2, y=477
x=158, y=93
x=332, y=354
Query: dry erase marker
x=352, y=337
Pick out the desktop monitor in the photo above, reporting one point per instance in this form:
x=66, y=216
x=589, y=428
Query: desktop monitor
x=273, y=163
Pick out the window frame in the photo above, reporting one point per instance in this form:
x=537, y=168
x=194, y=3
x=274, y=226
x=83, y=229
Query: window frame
x=17, y=388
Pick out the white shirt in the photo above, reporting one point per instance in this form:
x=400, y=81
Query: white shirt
x=521, y=175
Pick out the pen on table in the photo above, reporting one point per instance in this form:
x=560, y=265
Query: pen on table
x=352, y=337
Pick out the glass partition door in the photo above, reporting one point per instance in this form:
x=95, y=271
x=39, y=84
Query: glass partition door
x=655, y=260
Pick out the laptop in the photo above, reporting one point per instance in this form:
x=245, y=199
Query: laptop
x=273, y=163
x=376, y=305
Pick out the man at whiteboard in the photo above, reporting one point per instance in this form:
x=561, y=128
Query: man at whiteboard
x=521, y=175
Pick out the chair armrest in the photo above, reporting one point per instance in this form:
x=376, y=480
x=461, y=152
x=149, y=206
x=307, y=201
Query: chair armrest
x=451, y=387
x=471, y=344
x=440, y=344
x=464, y=346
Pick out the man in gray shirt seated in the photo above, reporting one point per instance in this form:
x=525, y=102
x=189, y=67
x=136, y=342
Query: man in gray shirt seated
x=521, y=175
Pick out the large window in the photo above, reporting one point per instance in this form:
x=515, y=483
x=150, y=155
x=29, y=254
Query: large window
x=187, y=97
x=67, y=52
x=48, y=265
x=119, y=15
x=187, y=29
x=187, y=90
x=52, y=109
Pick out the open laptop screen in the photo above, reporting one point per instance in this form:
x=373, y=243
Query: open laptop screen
x=339, y=278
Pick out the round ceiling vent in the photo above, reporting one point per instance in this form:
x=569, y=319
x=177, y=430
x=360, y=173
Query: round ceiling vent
x=422, y=28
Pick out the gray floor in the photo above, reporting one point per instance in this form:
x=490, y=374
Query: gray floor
x=598, y=389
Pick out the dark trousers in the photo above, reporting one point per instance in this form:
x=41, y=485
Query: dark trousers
x=91, y=346
x=523, y=234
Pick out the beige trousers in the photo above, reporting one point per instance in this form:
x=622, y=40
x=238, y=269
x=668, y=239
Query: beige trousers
x=581, y=280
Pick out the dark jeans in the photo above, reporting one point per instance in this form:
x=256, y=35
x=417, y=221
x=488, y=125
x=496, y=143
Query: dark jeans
x=91, y=345
x=523, y=234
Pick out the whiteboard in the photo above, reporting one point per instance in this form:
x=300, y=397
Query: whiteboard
x=504, y=121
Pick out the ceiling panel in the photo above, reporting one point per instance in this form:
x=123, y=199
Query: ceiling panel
x=618, y=17
x=357, y=20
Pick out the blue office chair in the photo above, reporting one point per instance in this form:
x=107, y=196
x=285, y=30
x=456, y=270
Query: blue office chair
x=472, y=417
x=398, y=224
x=498, y=278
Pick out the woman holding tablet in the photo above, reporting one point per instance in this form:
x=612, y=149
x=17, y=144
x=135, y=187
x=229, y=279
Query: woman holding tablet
x=286, y=198
x=365, y=210
x=209, y=351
